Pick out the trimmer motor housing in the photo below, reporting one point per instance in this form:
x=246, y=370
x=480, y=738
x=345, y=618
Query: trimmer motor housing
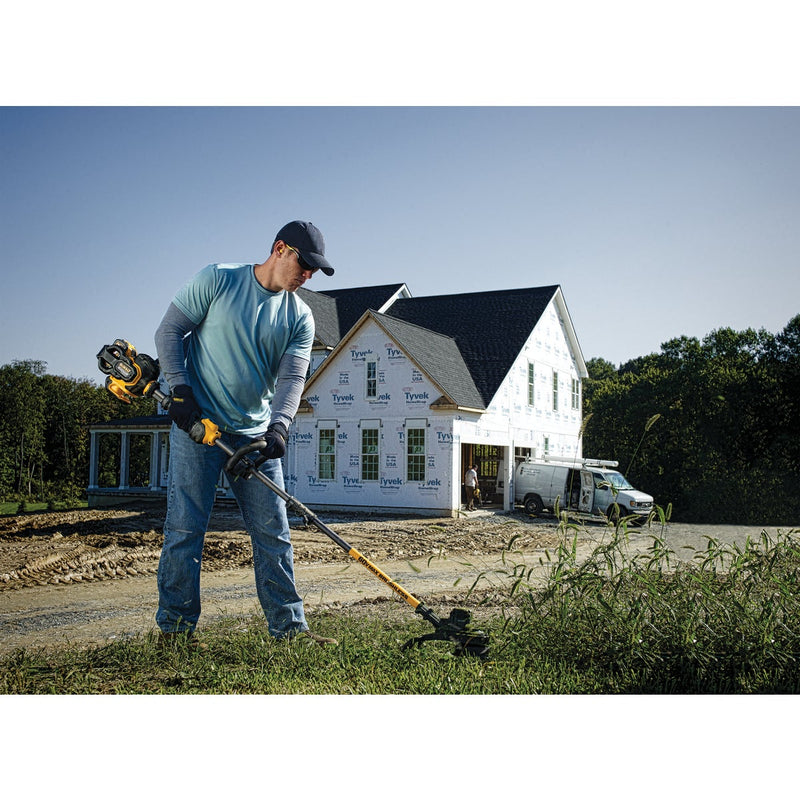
x=130, y=374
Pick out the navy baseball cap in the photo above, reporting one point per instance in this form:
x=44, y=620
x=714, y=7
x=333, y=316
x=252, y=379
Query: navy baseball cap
x=307, y=239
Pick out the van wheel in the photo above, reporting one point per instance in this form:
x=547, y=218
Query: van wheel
x=615, y=513
x=533, y=505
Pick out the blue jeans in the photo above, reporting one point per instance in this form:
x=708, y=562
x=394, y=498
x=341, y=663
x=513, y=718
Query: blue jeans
x=193, y=473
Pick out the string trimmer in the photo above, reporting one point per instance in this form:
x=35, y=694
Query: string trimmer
x=133, y=375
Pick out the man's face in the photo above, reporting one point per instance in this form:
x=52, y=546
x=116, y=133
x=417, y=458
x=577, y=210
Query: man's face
x=290, y=272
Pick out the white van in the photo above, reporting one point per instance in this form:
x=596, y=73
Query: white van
x=585, y=485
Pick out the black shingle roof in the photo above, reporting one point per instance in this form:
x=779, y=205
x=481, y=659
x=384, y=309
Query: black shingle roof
x=352, y=303
x=326, y=316
x=465, y=342
x=337, y=310
x=489, y=328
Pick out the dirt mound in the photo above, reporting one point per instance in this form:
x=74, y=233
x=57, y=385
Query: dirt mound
x=102, y=545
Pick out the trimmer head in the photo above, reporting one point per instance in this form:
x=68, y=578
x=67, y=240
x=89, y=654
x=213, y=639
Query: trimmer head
x=455, y=629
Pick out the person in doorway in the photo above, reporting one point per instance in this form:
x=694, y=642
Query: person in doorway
x=471, y=486
x=234, y=346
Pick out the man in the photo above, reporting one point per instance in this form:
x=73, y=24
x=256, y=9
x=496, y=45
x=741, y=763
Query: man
x=471, y=485
x=234, y=347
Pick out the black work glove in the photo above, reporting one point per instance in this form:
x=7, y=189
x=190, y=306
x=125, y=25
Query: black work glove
x=183, y=410
x=275, y=439
x=274, y=446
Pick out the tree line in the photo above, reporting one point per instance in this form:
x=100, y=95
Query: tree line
x=711, y=427
x=44, y=434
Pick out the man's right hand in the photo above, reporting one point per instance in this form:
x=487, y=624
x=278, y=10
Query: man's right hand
x=183, y=410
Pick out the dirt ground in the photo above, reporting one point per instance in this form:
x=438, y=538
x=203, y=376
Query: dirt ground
x=89, y=577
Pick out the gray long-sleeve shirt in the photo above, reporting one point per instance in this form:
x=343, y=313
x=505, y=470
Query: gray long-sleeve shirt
x=169, y=339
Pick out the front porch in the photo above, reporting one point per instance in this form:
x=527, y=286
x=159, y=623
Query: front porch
x=128, y=460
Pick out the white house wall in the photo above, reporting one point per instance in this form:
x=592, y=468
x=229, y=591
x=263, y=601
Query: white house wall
x=510, y=420
x=317, y=357
x=404, y=394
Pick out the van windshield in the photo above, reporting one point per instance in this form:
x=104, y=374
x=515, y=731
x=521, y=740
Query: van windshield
x=616, y=479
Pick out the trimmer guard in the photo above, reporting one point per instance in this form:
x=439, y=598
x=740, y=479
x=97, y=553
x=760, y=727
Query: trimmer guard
x=455, y=629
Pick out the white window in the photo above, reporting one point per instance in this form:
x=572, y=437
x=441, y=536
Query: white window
x=326, y=460
x=372, y=379
x=531, y=384
x=555, y=391
x=576, y=393
x=370, y=450
x=415, y=449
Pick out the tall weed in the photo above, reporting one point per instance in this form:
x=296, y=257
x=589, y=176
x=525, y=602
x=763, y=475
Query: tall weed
x=726, y=621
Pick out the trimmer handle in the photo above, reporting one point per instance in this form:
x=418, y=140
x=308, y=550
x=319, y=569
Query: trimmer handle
x=203, y=431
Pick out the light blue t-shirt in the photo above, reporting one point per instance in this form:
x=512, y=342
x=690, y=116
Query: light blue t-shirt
x=242, y=333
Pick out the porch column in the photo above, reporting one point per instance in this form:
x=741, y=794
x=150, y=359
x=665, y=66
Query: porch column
x=155, y=460
x=94, y=458
x=124, y=458
x=163, y=459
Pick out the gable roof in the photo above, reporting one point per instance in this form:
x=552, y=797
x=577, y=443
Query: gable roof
x=465, y=343
x=489, y=328
x=337, y=310
x=438, y=357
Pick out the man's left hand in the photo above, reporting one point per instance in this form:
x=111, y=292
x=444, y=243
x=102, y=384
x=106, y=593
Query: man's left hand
x=274, y=447
x=275, y=439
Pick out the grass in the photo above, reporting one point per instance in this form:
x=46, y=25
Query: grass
x=243, y=659
x=726, y=622
x=31, y=506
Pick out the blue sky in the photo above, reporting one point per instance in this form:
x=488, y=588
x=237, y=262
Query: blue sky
x=656, y=222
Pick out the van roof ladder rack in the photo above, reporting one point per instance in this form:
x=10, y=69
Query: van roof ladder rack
x=578, y=462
